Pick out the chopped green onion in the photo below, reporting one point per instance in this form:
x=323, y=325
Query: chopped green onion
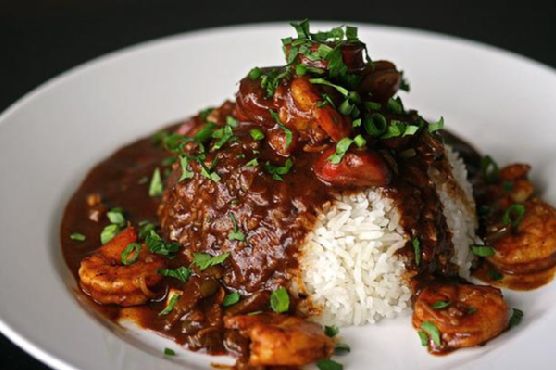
x=302, y=29
x=145, y=228
x=359, y=141
x=331, y=331
x=369, y=105
x=516, y=318
x=351, y=33
x=356, y=122
x=342, y=147
x=252, y=163
x=341, y=349
x=116, y=216
x=236, y=234
x=431, y=329
x=507, y=186
x=204, y=260
x=280, y=300
x=108, y=233
x=230, y=299
x=328, y=364
x=404, y=83
x=186, y=172
x=494, y=275
x=300, y=69
x=278, y=171
x=375, y=124
x=346, y=108
x=514, y=215
x=171, y=304
x=168, y=161
x=254, y=73
x=158, y=246
x=223, y=135
x=181, y=273
x=287, y=131
x=395, y=105
x=322, y=81
x=205, y=133
x=438, y=125
x=155, y=186
x=482, y=250
x=257, y=134
x=438, y=305
x=169, y=352
x=424, y=337
x=489, y=169
x=78, y=237
x=417, y=250
x=130, y=254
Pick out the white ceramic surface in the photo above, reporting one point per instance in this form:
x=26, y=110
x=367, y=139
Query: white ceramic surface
x=504, y=103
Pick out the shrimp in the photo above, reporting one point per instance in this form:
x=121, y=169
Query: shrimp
x=307, y=112
x=104, y=277
x=469, y=314
x=532, y=246
x=280, y=340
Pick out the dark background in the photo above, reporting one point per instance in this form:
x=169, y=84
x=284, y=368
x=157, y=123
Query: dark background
x=41, y=39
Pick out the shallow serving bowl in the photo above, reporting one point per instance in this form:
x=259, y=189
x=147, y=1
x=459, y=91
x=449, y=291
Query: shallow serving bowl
x=503, y=103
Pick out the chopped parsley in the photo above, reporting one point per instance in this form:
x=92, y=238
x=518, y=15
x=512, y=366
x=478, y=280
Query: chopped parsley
x=431, y=329
x=278, y=171
x=171, y=304
x=236, y=234
x=328, y=364
x=252, y=163
x=180, y=273
x=342, y=148
x=513, y=215
x=205, y=260
x=256, y=134
x=186, y=172
x=480, y=250
x=130, y=254
x=416, y=243
x=78, y=237
x=439, y=305
x=155, y=186
x=280, y=300
x=169, y=352
x=230, y=299
x=158, y=246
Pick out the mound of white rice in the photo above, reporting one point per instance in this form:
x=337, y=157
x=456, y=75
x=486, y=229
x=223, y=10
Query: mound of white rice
x=349, y=265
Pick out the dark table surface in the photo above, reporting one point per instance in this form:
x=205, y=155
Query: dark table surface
x=41, y=39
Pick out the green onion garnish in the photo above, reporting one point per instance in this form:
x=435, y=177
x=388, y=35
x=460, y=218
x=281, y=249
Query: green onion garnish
x=438, y=125
x=78, y=237
x=108, y=233
x=257, y=134
x=181, y=273
x=230, y=299
x=417, y=250
x=331, y=331
x=516, y=318
x=278, y=171
x=431, y=329
x=375, y=124
x=169, y=352
x=328, y=364
x=514, y=215
x=280, y=300
x=130, y=254
x=438, y=305
x=424, y=338
x=171, y=304
x=489, y=169
x=482, y=250
x=155, y=186
x=254, y=73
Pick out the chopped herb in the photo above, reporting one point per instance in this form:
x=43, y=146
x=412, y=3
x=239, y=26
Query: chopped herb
x=186, y=172
x=287, y=131
x=438, y=125
x=356, y=122
x=470, y=310
x=278, y=171
x=514, y=215
x=280, y=300
x=404, y=83
x=489, y=169
x=331, y=331
x=322, y=81
x=351, y=33
x=108, y=233
x=359, y=141
x=494, y=275
x=507, y=186
x=302, y=29
x=336, y=33
x=375, y=124
x=346, y=108
x=171, y=304
x=516, y=318
x=417, y=250
x=395, y=105
x=438, y=305
x=130, y=254
x=271, y=79
x=236, y=234
x=252, y=163
x=431, y=329
x=207, y=172
x=155, y=186
x=230, y=299
x=181, y=273
x=116, y=216
x=300, y=69
x=342, y=147
x=205, y=113
x=482, y=250
x=205, y=260
x=78, y=237
x=424, y=337
x=168, y=161
x=157, y=245
x=205, y=133
x=341, y=349
x=169, y=352
x=231, y=121
x=257, y=134
x=254, y=73
x=145, y=228
x=254, y=313
x=369, y=105
x=328, y=364
x=223, y=135
x=410, y=130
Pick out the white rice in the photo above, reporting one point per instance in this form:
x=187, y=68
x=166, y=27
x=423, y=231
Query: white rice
x=349, y=265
